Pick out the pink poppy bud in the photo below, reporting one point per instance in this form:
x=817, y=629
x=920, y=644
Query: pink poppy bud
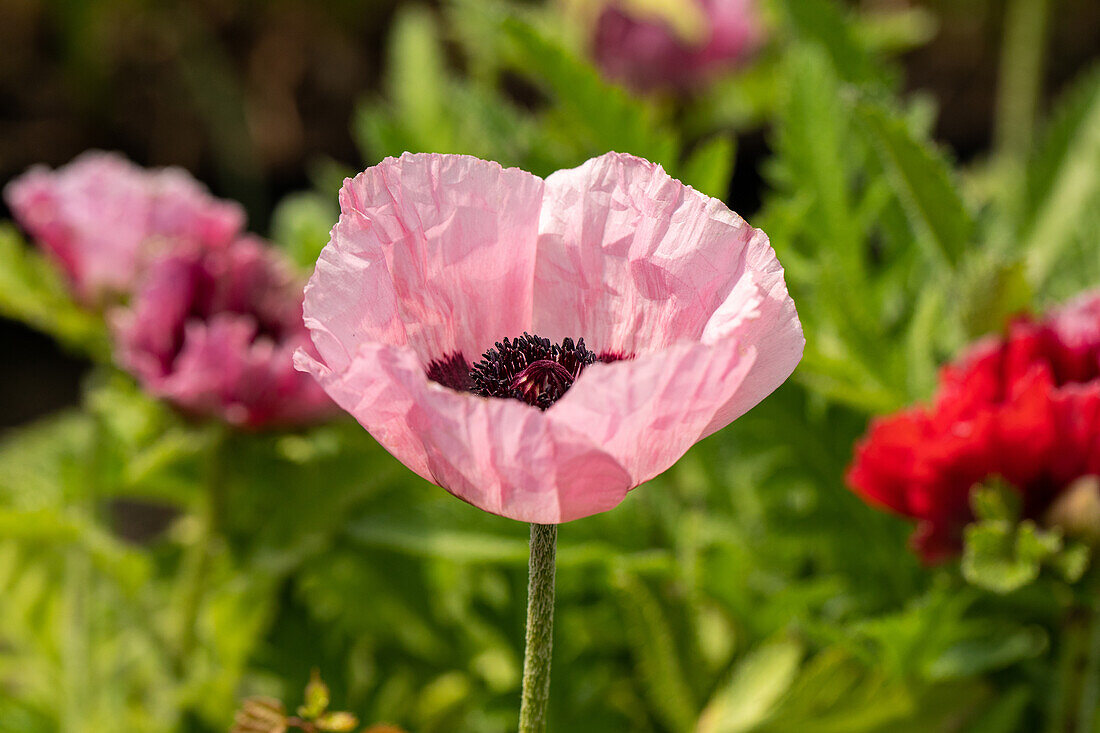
x=645, y=52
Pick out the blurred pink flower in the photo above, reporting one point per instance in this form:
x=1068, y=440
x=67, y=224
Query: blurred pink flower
x=436, y=257
x=101, y=216
x=214, y=332
x=647, y=54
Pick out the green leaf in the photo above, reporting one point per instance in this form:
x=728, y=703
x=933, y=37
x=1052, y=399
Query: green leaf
x=317, y=697
x=418, y=79
x=710, y=166
x=301, y=225
x=988, y=559
x=38, y=462
x=758, y=682
x=1037, y=544
x=973, y=657
x=995, y=499
x=1063, y=181
x=598, y=115
x=922, y=181
x=653, y=646
x=823, y=22
x=815, y=139
x=1001, y=557
x=1072, y=562
x=897, y=29
x=996, y=291
x=338, y=722
x=836, y=693
x=424, y=538
x=1005, y=714
x=33, y=291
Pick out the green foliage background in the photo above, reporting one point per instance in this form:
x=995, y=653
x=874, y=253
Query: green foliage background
x=745, y=590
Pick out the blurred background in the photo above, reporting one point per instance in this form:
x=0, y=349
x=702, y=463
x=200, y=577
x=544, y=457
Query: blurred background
x=257, y=98
x=925, y=170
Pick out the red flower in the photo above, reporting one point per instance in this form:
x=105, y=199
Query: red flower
x=1025, y=407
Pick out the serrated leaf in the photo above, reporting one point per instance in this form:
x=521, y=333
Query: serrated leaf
x=922, y=181
x=653, y=648
x=1063, y=180
x=709, y=167
x=823, y=22
x=32, y=291
x=758, y=682
x=814, y=138
x=972, y=657
x=601, y=116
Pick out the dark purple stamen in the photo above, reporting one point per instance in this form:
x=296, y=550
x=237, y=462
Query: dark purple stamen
x=529, y=369
x=451, y=371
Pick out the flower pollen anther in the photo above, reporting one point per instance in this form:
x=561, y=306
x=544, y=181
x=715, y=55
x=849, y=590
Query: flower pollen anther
x=530, y=369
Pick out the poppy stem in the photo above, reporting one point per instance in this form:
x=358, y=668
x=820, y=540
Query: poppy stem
x=540, y=628
x=1090, y=684
x=1019, y=89
x=200, y=555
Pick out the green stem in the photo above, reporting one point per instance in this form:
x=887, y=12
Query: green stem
x=1061, y=702
x=1090, y=682
x=201, y=554
x=540, y=629
x=1021, y=76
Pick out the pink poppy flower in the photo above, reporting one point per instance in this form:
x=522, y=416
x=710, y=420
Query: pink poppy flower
x=660, y=315
x=214, y=332
x=100, y=216
x=646, y=53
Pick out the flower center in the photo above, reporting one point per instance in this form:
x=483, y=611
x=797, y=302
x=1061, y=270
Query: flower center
x=528, y=368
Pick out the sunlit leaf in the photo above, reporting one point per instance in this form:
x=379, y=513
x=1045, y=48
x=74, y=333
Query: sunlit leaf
x=922, y=181
x=1063, y=181
x=757, y=683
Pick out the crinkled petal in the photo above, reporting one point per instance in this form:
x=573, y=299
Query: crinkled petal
x=502, y=456
x=436, y=251
x=635, y=261
x=211, y=361
x=647, y=412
